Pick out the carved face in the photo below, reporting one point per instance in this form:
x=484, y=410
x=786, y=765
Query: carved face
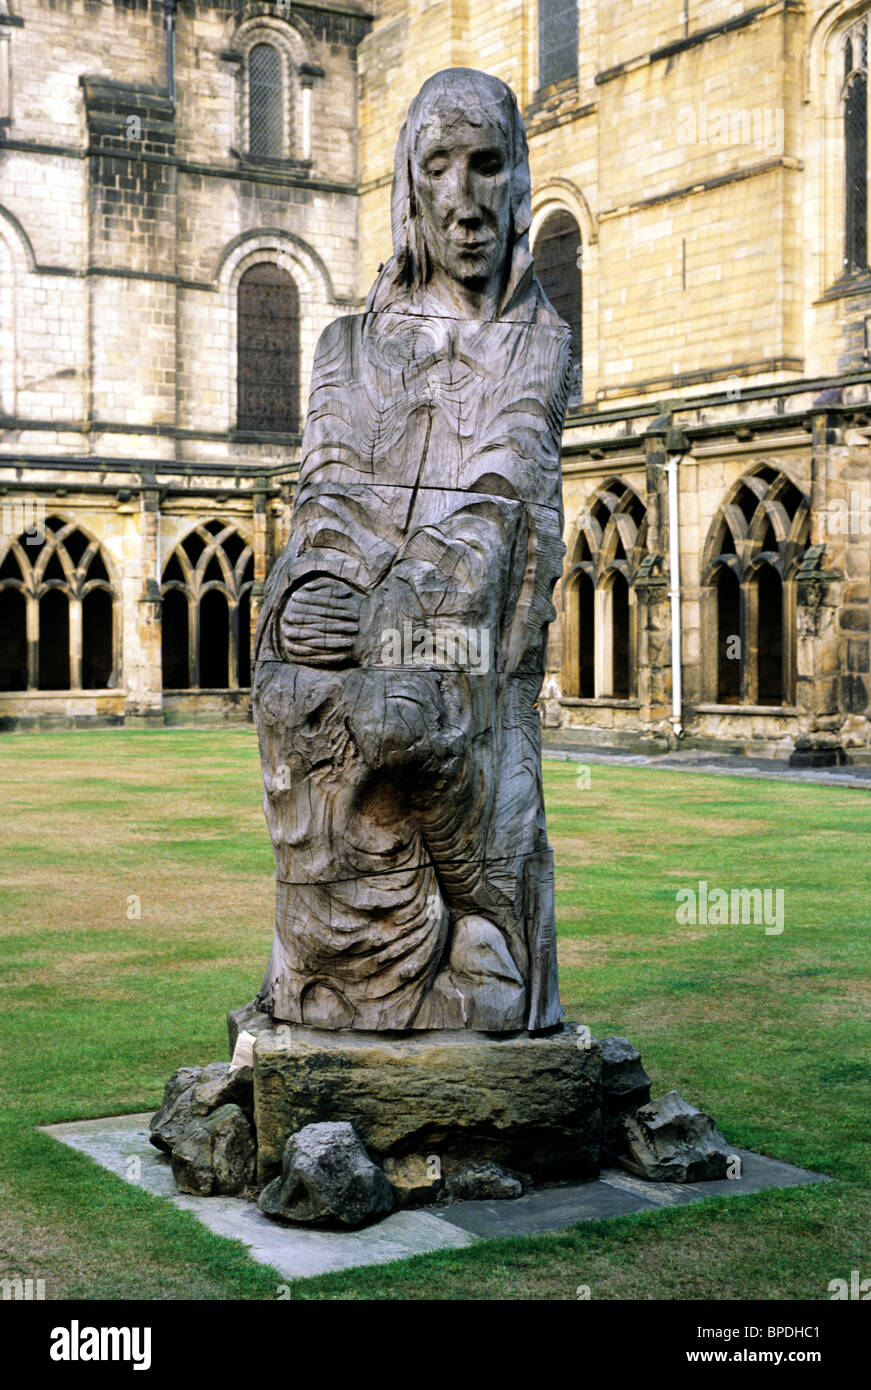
x=462, y=181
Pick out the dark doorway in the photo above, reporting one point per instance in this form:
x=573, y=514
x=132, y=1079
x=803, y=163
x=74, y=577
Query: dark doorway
x=13, y=640
x=586, y=637
x=729, y=638
x=244, y=647
x=769, y=590
x=620, y=677
x=214, y=641
x=54, y=641
x=96, y=640
x=174, y=641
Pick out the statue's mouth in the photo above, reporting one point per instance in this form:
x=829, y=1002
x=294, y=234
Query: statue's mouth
x=473, y=248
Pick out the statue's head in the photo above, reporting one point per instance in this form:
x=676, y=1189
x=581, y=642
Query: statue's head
x=461, y=185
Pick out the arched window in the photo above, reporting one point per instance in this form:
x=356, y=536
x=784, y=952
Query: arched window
x=557, y=265
x=599, y=623
x=206, y=637
x=754, y=548
x=267, y=350
x=57, y=612
x=557, y=40
x=855, y=103
x=266, y=103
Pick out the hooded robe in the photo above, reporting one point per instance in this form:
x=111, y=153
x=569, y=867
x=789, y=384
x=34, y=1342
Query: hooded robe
x=403, y=786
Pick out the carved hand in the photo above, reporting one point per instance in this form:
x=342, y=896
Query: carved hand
x=319, y=623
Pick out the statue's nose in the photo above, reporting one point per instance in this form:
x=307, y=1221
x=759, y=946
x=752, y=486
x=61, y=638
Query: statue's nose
x=460, y=191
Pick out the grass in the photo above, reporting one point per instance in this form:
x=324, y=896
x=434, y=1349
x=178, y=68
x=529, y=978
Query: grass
x=771, y=1033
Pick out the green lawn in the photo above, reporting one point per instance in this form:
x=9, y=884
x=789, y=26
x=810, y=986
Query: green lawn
x=770, y=1032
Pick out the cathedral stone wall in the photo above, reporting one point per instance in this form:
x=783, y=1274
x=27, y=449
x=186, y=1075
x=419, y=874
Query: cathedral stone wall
x=701, y=153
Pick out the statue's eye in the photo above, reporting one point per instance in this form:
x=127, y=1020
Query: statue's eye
x=435, y=168
x=488, y=162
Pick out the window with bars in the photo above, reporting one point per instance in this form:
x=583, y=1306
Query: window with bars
x=265, y=102
x=267, y=350
x=557, y=255
x=855, y=103
x=557, y=40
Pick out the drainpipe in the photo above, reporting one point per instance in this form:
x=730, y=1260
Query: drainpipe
x=169, y=8
x=675, y=448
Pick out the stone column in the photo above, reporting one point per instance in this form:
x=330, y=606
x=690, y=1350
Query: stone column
x=651, y=591
x=819, y=595
x=145, y=667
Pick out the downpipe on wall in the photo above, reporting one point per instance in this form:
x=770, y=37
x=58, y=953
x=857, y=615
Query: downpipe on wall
x=675, y=440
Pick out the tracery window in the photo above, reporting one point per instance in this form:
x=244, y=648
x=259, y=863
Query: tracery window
x=600, y=600
x=206, y=622
x=57, y=612
x=755, y=546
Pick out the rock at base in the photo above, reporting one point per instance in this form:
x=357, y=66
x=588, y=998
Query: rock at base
x=530, y=1102
x=216, y=1155
x=327, y=1179
x=670, y=1141
x=193, y=1093
x=416, y=1180
x=625, y=1087
x=248, y=1019
x=481, y=1182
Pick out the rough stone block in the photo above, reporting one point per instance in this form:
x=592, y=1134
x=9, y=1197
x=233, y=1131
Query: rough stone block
x=415, y=1179
x=670, y=1141
x=531, y=1102
x=248, y=1019
x=482, y=1182
x=625, y=1086
x=215, y=1155
x=327, y=1179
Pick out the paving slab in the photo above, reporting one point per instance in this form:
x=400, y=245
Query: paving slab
x=120, y=1144
x=717, y=764
x=615, y=1193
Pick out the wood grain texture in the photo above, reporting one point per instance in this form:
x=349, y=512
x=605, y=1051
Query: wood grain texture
x=401, y=643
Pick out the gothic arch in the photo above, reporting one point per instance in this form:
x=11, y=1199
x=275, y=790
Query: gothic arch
x=206, y=589
x=72, y=638
x=754, y=546
x=606, y=547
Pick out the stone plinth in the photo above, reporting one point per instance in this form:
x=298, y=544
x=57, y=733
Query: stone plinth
x=531, y=1102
